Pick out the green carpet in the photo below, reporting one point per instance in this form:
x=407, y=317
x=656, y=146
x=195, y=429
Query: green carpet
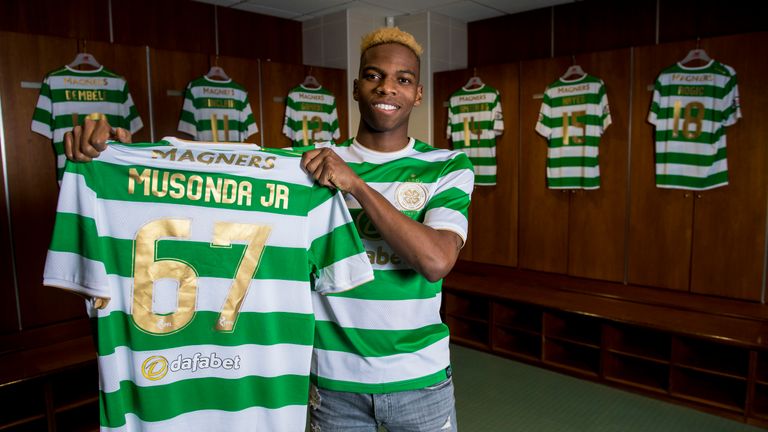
x=494, y=394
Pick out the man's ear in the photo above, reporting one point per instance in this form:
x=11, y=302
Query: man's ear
x=419, y=95
x=355, y=90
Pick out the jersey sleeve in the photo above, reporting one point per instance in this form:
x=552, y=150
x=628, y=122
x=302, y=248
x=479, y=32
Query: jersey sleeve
x=731, y=107
x=42, y=118
x=76, y=256
x=605, y=111
x=288, y=120
x=128, y=111
x=187, y=122
x=336, y=253
x=247, y=122
x=653, y=113
x=545, y=113
x=498, y=117
x=334, y=121
x=448, y=207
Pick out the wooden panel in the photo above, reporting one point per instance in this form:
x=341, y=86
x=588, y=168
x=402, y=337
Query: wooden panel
x=494, y=212
x=597, y=218
x=660, y=220
x=246, y=73
x=84, y=19
x=168, y=24
x=689, y=19
x=443, y=85
x=172, y=71
x=31, y=173
x=523, y=36
x=282, y=77
x=543, y=212
x=131, y=63
x=729, y=222
x=8, y=316
x=251, y=35
x=602, y=25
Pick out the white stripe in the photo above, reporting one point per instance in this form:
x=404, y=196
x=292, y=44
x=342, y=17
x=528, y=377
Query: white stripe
x=254, y=360
x=485, y=169
x=345, y=274
x=310, y=97
x=76, y=273
x=378, y=314
x=382, y=256
x=112, y=84
x=443, y=218
x=461, y=179
x=473, y=98
x=479, y=151
x=573, y=131
x=198, y=91
x=573, y=171
x=692, y=148
x=343, y=366
x=286, y=419
x=333, y=213
x=42, y=128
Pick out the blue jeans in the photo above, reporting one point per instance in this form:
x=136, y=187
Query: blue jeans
x=431, y=409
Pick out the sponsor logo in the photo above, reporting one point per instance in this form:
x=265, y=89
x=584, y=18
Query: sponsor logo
x=365, y=227
x=155, y=368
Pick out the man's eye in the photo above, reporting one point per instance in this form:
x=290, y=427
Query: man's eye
x=405, y=80
x=372, y=76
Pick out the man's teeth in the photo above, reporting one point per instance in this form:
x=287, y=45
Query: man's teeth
x=386, y=107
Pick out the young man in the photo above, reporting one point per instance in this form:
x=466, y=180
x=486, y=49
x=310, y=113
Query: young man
x=381, y=351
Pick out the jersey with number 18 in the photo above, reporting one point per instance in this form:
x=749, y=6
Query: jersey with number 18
x=208, y=255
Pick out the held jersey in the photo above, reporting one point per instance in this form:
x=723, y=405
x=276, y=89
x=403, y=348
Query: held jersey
x=691, y=108
x=573, y=116
x=217, y=111
x=310, y=116
x=68, y=95
x=209, y=254
x=387, y=335
x=474, y=121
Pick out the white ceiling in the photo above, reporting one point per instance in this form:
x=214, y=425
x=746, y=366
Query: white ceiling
x=463, y=10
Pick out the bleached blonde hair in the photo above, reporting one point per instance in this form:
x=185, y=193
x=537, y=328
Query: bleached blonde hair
x=385, y=35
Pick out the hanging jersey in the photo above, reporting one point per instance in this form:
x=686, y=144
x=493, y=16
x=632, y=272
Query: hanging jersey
x=573, y=116
x=474, y=121
x=310, y=116
x=691, y=108
x=68, y=95
x=207, y=254
x=387, y=335
x=217, y=111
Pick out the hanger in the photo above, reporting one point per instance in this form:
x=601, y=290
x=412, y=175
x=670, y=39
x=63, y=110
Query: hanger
x=310, y=81
x=574, y=71
x=474, y=82
x=216, y=72
x=83, y=58
x=696, y=54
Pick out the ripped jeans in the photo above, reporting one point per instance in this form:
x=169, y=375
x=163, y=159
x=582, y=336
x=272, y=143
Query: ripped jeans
x=431, y=409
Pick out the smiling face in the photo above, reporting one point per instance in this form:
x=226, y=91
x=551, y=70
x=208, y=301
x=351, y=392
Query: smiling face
x=386, y=90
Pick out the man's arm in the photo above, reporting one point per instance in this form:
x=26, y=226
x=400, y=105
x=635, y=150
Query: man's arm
x=83, y=143
x=430, y=252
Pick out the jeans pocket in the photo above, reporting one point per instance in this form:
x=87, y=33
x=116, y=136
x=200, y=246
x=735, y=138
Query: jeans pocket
x=441, y=385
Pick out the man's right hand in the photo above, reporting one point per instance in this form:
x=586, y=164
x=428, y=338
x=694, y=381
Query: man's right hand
x=83, y=143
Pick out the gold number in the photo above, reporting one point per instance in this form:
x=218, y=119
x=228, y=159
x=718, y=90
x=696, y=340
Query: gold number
x=688, y=118
x=305, y=128
x=572, y=119
x=148, y=269
x=318, y=128
x=470, y=127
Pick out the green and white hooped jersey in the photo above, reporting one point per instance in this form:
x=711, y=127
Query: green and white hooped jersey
x=217, y=111
x=209, y=254
x=310, y=116
x=474, y=121
x=573, y=116
x=68, y=95
x=691, y=108
x=387, y=335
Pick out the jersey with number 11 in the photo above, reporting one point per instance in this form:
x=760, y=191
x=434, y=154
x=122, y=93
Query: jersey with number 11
x=208, y=254
x=691, y=108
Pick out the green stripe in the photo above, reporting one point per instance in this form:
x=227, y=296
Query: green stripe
x=485, y=179
x=587, y=162
x=453, y=198
x=482, y=161
x=335, y=246
x=262, y=328
x=165, y=402
x=376, y=343
x=396, y=386
x=692, y=182
x=80, y=95
x=573, y=182
x=77, y=234
x=396, y=171
x=690, y=159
